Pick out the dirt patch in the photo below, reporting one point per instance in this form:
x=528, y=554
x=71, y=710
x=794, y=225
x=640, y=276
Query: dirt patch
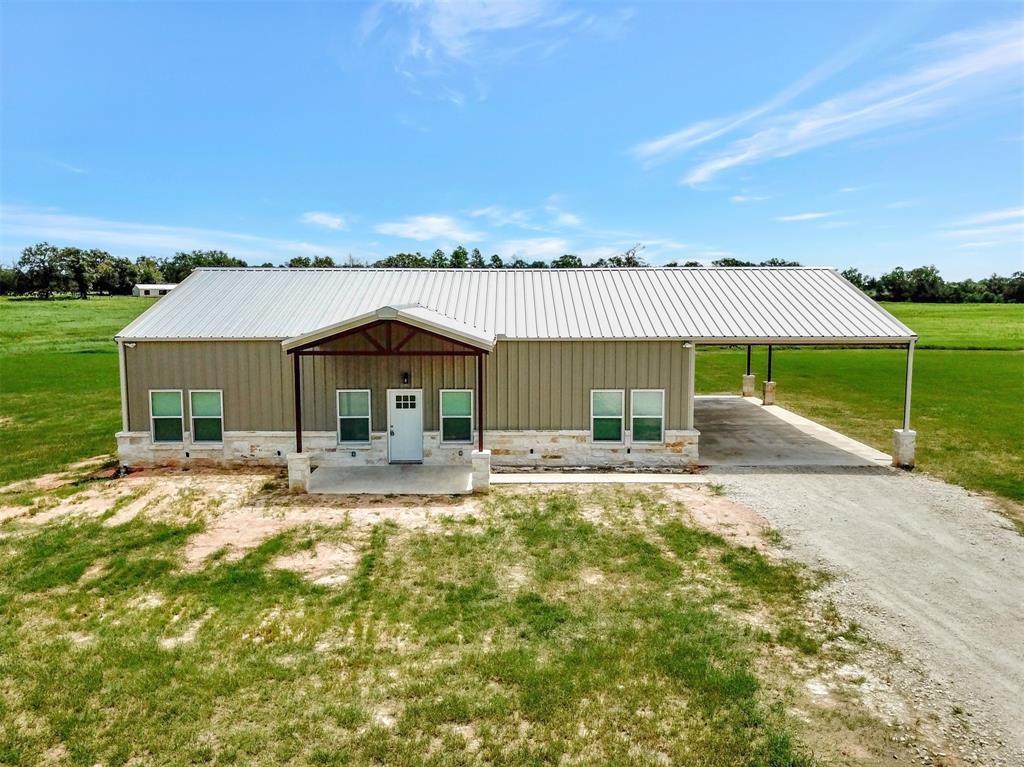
x=734, y=521
x=326, y=564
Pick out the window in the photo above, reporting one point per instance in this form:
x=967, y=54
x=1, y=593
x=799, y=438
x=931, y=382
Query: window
x=354, y=415
x=456, y=415
x=165, y=415
x=606, y=406
x=207, y=411
x=647, y=413
x=405, y=402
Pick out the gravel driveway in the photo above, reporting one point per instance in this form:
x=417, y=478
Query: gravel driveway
x=928, y=569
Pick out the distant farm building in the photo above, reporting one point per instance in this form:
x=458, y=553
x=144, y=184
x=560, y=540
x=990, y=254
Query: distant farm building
x=153, y=291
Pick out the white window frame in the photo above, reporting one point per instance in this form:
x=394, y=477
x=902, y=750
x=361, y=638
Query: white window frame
x=152, y=418
x=632, y=440
x=368, y=418
x=440, y=418
x=622, y=418
x=192, y=417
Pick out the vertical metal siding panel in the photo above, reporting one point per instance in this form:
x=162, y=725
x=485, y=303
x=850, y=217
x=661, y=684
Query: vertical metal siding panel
x=566, y=356
x=548, y=378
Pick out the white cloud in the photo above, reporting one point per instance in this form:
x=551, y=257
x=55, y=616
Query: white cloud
x=958, y=70
x=994, y=227
x=133, y=239
x=806, y=216
x=564, y=218
x=499, y=215
x=1005, y=214
x=849, y=189
x=328, y=220
x=66, y=166
x=441, y=228
x=535, y=248
x=748, y=198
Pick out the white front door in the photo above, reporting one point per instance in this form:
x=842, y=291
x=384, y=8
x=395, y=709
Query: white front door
x=405, y=425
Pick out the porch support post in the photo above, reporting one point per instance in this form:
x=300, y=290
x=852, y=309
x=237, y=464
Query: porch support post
x=298, y=402
x=768, y=395
x=691, y=383
x=904, y=441
x=480, y=401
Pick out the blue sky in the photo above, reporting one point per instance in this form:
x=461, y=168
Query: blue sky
x=840, y=134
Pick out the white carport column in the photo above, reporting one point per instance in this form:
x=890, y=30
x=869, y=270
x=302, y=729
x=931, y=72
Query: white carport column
x=691, y=383
x=904, y=441
x=749, y=378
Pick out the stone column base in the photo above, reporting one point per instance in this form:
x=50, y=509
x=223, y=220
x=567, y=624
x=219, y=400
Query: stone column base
x=904, y=441
x=768, y=394
x=748, y=385
x=298, y=472
x=481, y=471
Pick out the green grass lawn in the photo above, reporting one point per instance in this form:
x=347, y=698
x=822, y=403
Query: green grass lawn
x=59, y=398
x=602, y=628
x=59, y=394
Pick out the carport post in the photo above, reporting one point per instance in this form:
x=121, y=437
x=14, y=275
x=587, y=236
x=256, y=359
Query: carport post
x=768, y=395
x=748, y=378
x=906, y=389
x=748, y=359
x=904, y=441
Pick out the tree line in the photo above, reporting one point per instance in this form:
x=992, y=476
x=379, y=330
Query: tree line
x=46, y=270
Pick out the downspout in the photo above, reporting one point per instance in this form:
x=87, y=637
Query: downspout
x=907, y=388
x=123, y=368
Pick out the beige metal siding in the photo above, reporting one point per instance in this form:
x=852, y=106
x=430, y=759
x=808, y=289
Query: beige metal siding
x=546, y=384
x=530, y=384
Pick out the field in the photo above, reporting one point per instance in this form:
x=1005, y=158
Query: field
x=59, y=393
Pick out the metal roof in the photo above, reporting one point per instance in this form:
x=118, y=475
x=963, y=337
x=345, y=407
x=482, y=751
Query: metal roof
x=712, y=305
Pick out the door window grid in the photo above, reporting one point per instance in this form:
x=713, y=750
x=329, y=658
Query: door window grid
x=405, y=402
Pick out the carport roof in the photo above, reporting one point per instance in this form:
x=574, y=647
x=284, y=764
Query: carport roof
x=705, y=305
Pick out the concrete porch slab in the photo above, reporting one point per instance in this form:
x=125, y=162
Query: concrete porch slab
x=739, y=431
x=394, y=479
x=596, y=478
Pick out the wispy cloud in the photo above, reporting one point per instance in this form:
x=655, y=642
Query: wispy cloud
x=953, y=71
x=441, y=228
x=806, y=216
x=739, y=198
x=499, y=215
x=535, y=248
x=851, y=189
x=992, y=227
x=65, y=166
x=327, y=220
x=564, y=218
x=21, y=225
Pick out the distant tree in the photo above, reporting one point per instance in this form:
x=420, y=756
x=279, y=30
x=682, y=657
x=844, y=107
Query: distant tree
x=732, y=262
x=147, y=270
x=323, y=262
x=459, y=258
x=926, y=285
x=115, y=276
x=40, y=264
x=538, y=264
x=351, y=262
x=857, y=278
x=693, y=264
x=182, y=264
x=476, y=260
x=779, y=262
x=496, y=262
x=893, y=286
x=267, y=265
x=1014, y=290
x=518, y=264
x=78, y=268
x=300, y=262
x=567, y=261
x=439, y=260
x=403, y=261
x=628, y=259
x=9, y=278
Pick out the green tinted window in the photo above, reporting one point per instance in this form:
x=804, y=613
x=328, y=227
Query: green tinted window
x=207, y=430
x=354, y=403
x=647, y=403
x=606, y=403
x=166, y=403
x=205, y=403
x=457, y=429
x=167, y=430
x=354, y=429
x=607, y=429
x=456, y=403
x=647, y=429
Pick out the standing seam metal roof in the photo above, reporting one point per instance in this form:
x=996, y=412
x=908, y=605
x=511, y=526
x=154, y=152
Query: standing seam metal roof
x=754, y=304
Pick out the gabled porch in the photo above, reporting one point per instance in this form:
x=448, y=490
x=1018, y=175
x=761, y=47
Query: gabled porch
x=400, y=364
